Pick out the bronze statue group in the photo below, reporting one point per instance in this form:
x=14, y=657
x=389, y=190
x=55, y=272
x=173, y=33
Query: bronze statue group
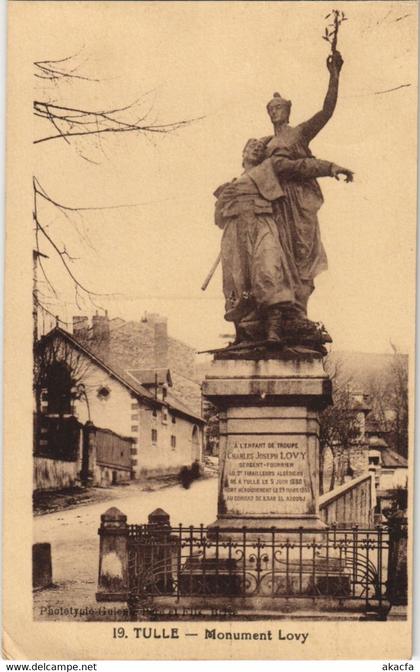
x=271, y=247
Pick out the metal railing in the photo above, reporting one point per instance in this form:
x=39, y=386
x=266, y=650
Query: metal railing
x=177, y=562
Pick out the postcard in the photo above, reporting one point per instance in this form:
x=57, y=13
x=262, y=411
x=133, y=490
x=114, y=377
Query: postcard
x=209, y=329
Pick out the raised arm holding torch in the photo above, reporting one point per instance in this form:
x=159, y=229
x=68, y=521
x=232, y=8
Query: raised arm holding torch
x=268, y=279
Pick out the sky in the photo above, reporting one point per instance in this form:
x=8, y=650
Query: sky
x=221, y=62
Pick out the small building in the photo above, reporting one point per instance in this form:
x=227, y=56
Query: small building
x=164, y=434
x=394, y=470
x=389, y=467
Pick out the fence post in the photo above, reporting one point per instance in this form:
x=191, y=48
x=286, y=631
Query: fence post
x=113, y=579
x=161, y=560
x=397, y=559
x=159, y=518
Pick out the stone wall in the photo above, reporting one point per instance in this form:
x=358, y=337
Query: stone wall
x=105, y=475
x=359, y=458
x=49, y=474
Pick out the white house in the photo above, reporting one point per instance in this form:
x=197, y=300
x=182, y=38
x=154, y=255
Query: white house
x=165, y=433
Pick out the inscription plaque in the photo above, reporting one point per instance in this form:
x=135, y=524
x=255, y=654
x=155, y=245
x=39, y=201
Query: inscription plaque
x=267, y=476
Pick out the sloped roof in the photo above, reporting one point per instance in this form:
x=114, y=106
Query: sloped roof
x=116, y=323
x=148, y=376
x=178, y=405
x=392, y=459
x=171, y=400
x=377, y=442
x=130, y=383
x=373, y=426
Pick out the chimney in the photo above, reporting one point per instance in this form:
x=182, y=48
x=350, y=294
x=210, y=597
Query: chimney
x=80, y=326
x=161, y=342
x=100, y=327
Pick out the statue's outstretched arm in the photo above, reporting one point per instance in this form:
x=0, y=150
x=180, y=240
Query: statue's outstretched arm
x=307, y=168
x=312, y=127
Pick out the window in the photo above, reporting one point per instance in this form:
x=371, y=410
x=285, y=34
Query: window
x=164, y=416
x=373, y=459
x=173, y=441
x=134, y=428
x=134, y=406
x=103, y=393
x=154, y=435
x=154, y=413
x=173, y=420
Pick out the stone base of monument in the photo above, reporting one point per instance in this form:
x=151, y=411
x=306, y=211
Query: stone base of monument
x=271, y=572
x=231, y=527
x=269, y=444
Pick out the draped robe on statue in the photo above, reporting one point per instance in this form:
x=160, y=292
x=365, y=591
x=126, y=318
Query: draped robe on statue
x=296, y=213
x=258, y=254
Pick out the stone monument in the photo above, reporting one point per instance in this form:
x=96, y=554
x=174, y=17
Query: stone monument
x=270, y=384
x=269, y=441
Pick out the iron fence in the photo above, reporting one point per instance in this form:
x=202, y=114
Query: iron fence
x=177, y=562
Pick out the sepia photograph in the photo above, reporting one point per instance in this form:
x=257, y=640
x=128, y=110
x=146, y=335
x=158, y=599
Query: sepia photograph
x=210, y=329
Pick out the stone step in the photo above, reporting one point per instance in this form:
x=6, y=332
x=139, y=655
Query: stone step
x=398, y=613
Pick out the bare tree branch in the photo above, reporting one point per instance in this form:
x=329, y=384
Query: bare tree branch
x=105, y=121
x=48, y=70
x=40, y=191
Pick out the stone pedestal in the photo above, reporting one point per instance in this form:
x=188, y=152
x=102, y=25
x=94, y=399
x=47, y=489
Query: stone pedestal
x=269, y=441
